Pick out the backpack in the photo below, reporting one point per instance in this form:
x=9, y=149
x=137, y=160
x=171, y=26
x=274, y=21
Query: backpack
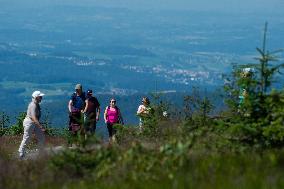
x=74, y=99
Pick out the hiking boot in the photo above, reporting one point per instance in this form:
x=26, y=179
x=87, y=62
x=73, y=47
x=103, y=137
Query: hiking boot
x=21, y=155
x=113, y=139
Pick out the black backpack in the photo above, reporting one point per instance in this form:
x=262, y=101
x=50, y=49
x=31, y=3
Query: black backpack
x=82, y=96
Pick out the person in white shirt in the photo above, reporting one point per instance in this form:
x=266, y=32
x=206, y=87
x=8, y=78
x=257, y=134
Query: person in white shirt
x=143, y=111
x=31, y=123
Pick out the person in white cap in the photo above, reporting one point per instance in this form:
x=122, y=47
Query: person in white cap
x=31, y=123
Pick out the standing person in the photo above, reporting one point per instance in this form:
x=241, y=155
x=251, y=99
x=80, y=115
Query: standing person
x=91, y=113
x=112, y=115
x=75, y=106
x=31, y=123
x=144, y=111
x=246, y=79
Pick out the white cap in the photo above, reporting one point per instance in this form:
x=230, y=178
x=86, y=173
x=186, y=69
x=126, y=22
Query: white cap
x=248, y=70
x=165, y=113
x=37, y=93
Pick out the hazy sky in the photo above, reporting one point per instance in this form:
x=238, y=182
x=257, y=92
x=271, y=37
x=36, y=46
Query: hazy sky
x=219, y=5
x=201, y=4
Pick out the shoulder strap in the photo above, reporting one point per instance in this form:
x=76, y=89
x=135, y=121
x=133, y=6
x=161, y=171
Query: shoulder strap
x=73, y=98
x=83, y=96
x=115, y=107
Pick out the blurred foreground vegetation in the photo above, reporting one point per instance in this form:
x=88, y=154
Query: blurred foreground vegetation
x=174, y=155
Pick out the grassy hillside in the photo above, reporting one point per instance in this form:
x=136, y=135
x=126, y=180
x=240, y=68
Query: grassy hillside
x=171, y=154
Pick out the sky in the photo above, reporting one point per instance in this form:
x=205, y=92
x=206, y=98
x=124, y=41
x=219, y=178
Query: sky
x=201, y=4
x=196, y=5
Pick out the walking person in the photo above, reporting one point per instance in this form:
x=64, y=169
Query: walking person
x=112, y=116
x=91, y=113
x=75, y=106
x=144, y=112
x=31, y=123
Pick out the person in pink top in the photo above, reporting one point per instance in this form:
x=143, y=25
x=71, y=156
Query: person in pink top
x=112, y=116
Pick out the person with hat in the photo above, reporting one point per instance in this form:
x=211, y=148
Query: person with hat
x=246, y=78
x=31, y=123
x=91, y=113
x=75, y=106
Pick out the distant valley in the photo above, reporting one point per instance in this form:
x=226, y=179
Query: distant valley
x=121, y=52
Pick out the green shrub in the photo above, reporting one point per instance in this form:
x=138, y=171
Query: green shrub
x=257, y=116
x=18, y=128
x=4, y=123
x=3, y=131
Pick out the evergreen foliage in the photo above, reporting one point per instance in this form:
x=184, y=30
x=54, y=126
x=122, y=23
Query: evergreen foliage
x=4, y=123
x=18, y=128
x=255, y=106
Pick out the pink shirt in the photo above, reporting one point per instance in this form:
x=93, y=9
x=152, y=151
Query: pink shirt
x=112, y=115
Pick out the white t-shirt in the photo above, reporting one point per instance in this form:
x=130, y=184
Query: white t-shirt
x=141, y=108
x=33, y=110
x=144, y=109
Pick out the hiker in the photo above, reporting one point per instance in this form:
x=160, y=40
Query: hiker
x=246, y=76
x=144, y=112
x=75, y=106
x=91, y=113
x=31, y=123
x=112, y=116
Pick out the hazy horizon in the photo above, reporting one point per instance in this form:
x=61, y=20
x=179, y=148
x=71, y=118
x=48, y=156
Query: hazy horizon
x=233, y=6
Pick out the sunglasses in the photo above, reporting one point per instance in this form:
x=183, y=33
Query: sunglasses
x=112, y=101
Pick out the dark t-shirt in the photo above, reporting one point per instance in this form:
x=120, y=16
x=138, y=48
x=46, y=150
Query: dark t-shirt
x=93, y=105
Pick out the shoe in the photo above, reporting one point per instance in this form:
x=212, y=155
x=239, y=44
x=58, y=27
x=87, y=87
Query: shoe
x=113, y=139
x=21, y=155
